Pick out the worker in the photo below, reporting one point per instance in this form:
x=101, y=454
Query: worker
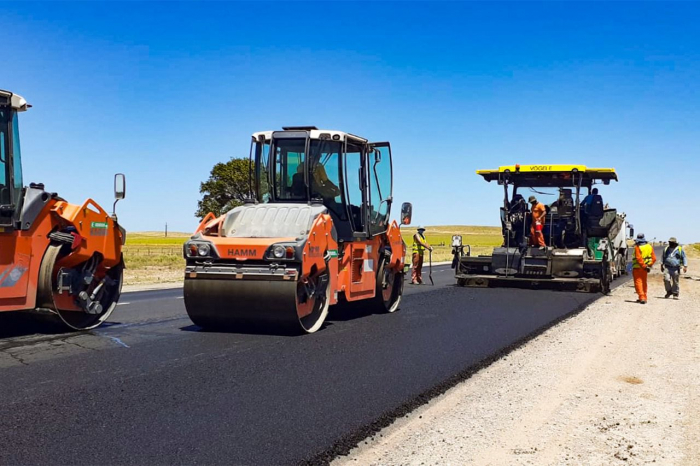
x=419, y=246
x=539, y=212
x=672, y=260
x=588, y=200
x=644, y=259
x=322, y=184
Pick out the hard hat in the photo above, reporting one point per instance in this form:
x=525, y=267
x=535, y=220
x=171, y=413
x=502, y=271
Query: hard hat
x=640, y=238
x=673, y=239
x=532, y=199
x=421, y=228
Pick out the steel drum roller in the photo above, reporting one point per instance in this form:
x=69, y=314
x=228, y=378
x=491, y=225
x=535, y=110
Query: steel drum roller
x=230, y=304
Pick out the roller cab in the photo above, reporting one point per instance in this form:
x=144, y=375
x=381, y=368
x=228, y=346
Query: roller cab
x=584, y=240
x=316, y=232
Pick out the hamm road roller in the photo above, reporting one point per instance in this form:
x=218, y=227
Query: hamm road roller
x=580, y=246
x=54, y=256
x=316, y=232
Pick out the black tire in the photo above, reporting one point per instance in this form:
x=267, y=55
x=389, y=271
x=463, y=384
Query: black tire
x=606, y=277
x=388, y=296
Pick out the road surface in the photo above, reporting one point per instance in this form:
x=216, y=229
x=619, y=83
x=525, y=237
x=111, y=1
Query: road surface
x=150, y=387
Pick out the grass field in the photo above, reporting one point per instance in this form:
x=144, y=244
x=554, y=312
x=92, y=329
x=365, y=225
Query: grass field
x=481, y=239
x=693, y=250
x=152, y=258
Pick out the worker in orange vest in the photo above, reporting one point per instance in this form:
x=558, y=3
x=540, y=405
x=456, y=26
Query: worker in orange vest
x=644, y=259
x=539, y=212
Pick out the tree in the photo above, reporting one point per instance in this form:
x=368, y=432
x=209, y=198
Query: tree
x=227, y=187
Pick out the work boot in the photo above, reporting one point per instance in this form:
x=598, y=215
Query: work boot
x=675, y=296
x=668, y=295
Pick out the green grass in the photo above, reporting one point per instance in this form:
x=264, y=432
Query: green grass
x=481, y=239
x=159, y=260
x=150, y=257
x=155, y=239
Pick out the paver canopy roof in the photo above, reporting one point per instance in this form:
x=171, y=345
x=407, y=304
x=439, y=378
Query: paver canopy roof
x=548, y=175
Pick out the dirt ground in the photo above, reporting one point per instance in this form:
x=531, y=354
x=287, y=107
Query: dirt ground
x=617, y=384
x=153, y=275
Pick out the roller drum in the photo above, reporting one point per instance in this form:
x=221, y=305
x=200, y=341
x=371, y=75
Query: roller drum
x=266, y=305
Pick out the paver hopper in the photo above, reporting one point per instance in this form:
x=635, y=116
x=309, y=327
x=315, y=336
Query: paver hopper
x=316, y=232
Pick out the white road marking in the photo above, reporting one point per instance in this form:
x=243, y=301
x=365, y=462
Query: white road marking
x=114, y=339
x=117, y=340
x=122, y=304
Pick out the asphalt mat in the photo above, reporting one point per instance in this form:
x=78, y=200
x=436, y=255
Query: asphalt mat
x=150, y=387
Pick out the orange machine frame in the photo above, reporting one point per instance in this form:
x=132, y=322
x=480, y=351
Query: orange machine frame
x=22, y=251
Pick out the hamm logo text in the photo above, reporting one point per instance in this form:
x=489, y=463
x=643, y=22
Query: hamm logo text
x=241, y=252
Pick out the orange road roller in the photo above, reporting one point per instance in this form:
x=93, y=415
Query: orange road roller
x=316, y=232
x=54, y=256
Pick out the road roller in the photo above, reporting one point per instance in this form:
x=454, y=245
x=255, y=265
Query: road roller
x=316, y=232
x=582, y=243
x=55, y=257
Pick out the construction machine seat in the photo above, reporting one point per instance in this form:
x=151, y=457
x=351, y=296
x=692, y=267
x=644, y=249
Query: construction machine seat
x=595, y=208
x=517, y=205
x=565, y=207
x=298, y=187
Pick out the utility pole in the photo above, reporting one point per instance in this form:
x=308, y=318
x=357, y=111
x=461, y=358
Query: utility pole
x=166, y=229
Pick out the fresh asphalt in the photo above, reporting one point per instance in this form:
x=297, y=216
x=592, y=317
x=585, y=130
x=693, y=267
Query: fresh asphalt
x=151, y=388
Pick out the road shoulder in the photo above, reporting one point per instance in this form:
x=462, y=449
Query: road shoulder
x=619, y=383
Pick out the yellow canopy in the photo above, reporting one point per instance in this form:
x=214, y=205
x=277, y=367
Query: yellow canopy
x=548, y=175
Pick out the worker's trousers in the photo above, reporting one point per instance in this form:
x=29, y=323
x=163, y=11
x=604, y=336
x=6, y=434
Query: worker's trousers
x=536, y=238
x=640, y=283
x=417, y=268
x=671, y=277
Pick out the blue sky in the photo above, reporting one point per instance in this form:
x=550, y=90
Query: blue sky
x=163, y=91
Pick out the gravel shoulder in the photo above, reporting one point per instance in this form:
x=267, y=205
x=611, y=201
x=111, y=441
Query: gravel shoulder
x=617, y=384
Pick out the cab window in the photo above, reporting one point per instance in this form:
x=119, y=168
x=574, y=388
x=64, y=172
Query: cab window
x=354, y=175
x=379, y=163
x=325, y=171
x=288, y=175
x=4, y=151
x=260, y=152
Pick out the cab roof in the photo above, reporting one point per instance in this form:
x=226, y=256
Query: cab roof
x=548, y=175
x=16, y=101
x=313, y=133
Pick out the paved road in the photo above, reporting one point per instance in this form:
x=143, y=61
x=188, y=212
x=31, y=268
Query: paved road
x=151, y=388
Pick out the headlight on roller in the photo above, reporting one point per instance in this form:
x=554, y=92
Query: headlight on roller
x=197, y=249
x=278, y=251
x=203, y=250
x=281, y=251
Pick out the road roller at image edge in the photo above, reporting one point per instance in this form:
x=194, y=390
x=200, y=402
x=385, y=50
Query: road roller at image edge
x=316, y=232
x=55, y=257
